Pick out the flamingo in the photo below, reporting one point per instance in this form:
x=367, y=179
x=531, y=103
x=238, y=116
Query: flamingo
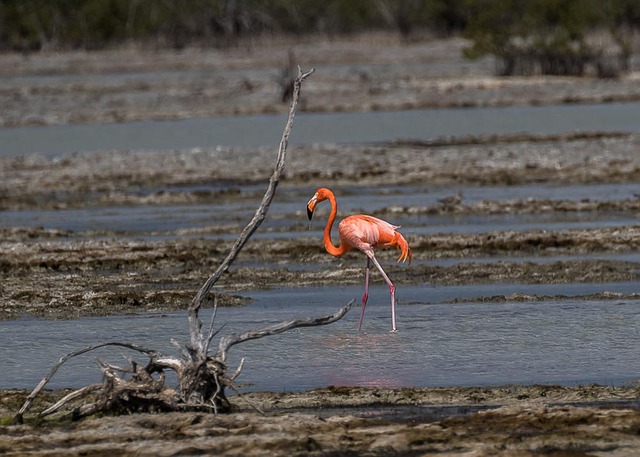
x=364, y=233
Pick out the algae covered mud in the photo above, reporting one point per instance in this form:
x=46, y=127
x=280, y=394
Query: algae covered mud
x=536, y=233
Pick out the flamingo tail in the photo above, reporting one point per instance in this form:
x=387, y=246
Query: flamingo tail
x=400, y=243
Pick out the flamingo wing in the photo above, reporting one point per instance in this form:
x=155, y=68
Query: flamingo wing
x=367, y=233
x=359, y=228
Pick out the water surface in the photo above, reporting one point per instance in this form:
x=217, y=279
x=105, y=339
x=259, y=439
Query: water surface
x=287, y=215
x=265, y=130
x=438, y=344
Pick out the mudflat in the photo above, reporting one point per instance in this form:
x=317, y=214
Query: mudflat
x=63, y=273
x=508, y=420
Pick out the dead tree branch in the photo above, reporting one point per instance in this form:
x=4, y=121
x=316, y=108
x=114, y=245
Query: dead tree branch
x=195, y=325
x=201, y=376
x=72, y=396
x=233, y=339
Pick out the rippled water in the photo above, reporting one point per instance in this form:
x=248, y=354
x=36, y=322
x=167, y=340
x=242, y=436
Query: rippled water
x=568, y=342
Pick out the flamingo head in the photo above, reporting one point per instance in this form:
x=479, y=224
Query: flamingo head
x=321, y=195
x=311, y=206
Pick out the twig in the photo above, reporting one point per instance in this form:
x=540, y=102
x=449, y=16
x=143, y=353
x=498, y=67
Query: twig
x=67, y=398
x=233, y=339
x=240, y=395
x=238, y=370
x=212, y=333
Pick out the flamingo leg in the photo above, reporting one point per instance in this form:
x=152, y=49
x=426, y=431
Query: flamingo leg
x=392, y=290
x=366, y=292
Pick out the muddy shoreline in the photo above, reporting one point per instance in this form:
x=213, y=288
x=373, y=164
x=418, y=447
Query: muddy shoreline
x=130, y=178
x=55, y=275
x=506, y=420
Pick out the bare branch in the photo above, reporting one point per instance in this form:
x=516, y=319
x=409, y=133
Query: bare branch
x=52, y=371
x=195, y=325
x=202, y=379
x=238, y=370
x=86, y=410
x=212, y=333
x=67, y=398
x=114, y=368
x=233, y=339
x=161, y=362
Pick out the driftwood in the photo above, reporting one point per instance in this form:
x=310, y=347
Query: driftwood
x=202, y=378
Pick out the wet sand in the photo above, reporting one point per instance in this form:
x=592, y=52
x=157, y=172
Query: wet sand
x=67, y=274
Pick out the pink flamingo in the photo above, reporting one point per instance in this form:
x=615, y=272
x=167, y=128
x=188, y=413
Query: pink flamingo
x=364, y=233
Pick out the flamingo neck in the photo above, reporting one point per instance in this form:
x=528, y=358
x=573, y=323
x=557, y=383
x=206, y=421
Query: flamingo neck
x=328, y=244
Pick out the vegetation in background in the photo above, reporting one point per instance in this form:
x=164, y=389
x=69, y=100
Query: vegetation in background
x=527, y=36
x=66, y=24
x=564, y=37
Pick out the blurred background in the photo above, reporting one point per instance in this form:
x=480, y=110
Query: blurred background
x=547, y=36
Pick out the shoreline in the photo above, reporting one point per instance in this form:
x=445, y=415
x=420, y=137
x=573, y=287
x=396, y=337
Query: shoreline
x=510, y=420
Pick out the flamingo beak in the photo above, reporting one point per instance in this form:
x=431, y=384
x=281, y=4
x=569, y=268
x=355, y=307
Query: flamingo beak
x=311, y=206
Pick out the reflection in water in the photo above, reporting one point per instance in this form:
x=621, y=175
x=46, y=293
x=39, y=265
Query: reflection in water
x=568, y=342
x=359, y=351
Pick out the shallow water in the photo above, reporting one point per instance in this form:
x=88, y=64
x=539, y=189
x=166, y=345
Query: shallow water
x=569, y=342
x=287, y=216
x=264, y=130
